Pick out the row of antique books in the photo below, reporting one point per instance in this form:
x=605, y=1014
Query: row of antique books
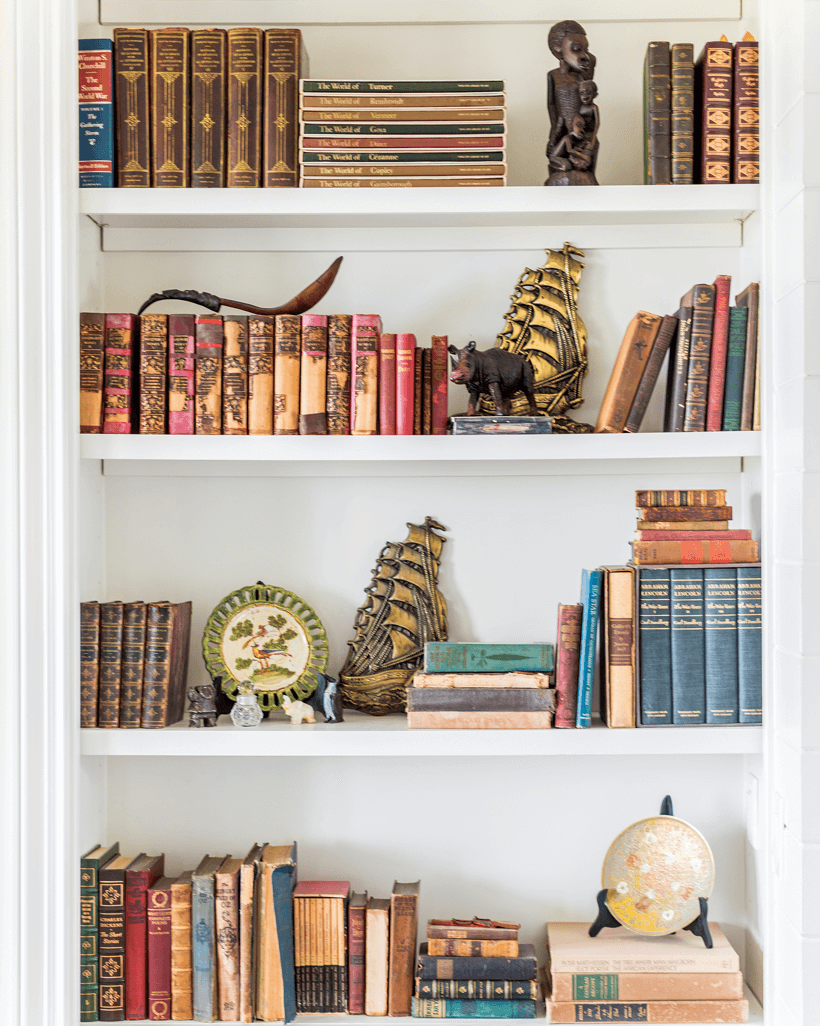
x=680, y=626
x=401, y=134
x=620, y=976
x=713, y=370
x=309, y=374
x=701, y=118
x=206, y=108
x=133, y=663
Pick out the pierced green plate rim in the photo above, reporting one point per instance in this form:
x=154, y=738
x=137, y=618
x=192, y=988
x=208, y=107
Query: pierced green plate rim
x=270, y=595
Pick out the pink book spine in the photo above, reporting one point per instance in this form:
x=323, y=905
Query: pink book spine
x=387, y=384
x=405, y=373
x=364, y=370
x=693, y=535
x=181, y=386
x=717, y=365
x=118, y=380
x=438, y=374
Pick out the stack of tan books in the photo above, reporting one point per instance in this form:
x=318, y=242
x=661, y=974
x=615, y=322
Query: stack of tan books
x=620, y=976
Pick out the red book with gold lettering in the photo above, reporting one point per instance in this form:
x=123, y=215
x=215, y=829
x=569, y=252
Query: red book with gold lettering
x=143, y=872
x=387, y=384
x=438, y=372
x=717, y=362
x=159, y=949
x=405, y=377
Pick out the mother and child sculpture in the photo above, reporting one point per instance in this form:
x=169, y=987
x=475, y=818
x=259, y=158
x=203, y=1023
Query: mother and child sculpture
x=572, y=148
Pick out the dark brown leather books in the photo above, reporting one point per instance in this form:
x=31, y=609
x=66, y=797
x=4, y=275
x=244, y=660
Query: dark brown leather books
x=209, y=76
x=702, y=300
x=627, y=372
x=89, y=662
x=168, y=633
x=746, y=142
x=678, y=371
x=683, y=114
x=244, y=108
x=170, y=110
x=110, y=664
x=666, y=334
x=404, y=917
x=132, y=107
x=284, y=62
x=714, y=73
x=133, y=662
x=112, y=938
x=657, y=115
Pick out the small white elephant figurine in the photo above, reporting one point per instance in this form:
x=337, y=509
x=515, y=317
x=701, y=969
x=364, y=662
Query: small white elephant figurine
x=299, y=712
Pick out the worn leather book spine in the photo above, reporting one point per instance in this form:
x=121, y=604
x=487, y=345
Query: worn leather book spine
x=683, y=113
x=89, y=662
x=235, y=376
x=682, y=525
x=700, y=348
x=666, y=334
x=657, y=114
x=181, y=374
x=404, y=917
x=96, y=95
x=209, y=77
x=364, y=360
x=720, y=643
x=159, y=950
x=92, y=364
x=112, y=940
x=356, y=911
x=405, y=382
x=269, y=971
x=446, y=1009
x=418, y=392
x=338, y=374
x=245, y=47
x=286, y=364
x=648, y=536
x=182, y=1008
x=204, y=941
x=170, y=107
x=364, y=171
x=674, y=552
x=677, y=372
x=646, y=986
x=153, y=373
x=692, y=497
x=750, y=644
x=654, y=643
x=627, y=372
x=180, y=639
x=142, y=874
x=108, y=714
x=472, y=990
x=313, y=375
x=133, y=662
x=433, y=967
x=438, y=372
x=260, y=375
x=620, y=647
x=480, y=700
x=713, y=71
x=387, y=384
x=735, y=361
x=686, y=638
x=746, y=142
x=717, y=361
x=90, y=865
x=209, y=347
x=132, y=107
x=377, y=919
x=568, y=635
x=686, y=514
x=749, y=298
x=247, y=880
x=118, y=392
x=648, y=1011
x=426, y=392
x=283, y=70
x=226, y=916
x=495, y=720
x=591, y=595
x=158, y=630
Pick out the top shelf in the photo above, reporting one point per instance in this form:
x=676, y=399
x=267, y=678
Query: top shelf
x=404, y=12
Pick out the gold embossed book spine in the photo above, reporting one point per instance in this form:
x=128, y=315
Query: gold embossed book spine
x=182, y=1006
x=284, y=67
x=209, y=344
x=108, y=714
x=702, y=300
x=209, y=75
x=746, y=148
x=133, y=663
x=260, y=375
x=89, y=662
x=245, y=108
x=170, y=107
x=132, y=106
x=286, y=367
x=235, y=376
x=683, y=114
x=338, y=374
x=714, y=74
x=364, y=360
x=153, y=373
x=92, y=358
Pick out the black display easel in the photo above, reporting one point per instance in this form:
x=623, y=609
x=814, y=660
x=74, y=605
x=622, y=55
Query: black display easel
x=699, y=927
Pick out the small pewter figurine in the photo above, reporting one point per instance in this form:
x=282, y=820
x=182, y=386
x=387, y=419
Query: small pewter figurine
x=572, y=148
x=202, y=712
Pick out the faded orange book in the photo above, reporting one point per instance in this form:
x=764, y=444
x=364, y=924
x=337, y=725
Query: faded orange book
x=404, y=919
x=260, y=375
x=680, y=552
x=247, y=878
x=274, y=957
x=619, y=646
x=209, y=344
x=92, y=358
x=683, y=525
x=235, y=376
x=182, y=967
x=286, y=368
x=226, y=914
x=447, y=948
x=364, y=358
x=313, y=384
x=627, y=372
x=338, y=374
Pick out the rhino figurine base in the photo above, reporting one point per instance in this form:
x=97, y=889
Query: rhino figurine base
x=494, y=372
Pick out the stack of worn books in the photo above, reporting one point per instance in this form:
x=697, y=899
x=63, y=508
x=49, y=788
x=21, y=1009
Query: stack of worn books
x=482, y=686
x=620, y=976
x=475, y=969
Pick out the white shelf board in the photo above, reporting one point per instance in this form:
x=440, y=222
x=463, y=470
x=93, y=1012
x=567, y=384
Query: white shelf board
x=400, y=12
x=362, y=735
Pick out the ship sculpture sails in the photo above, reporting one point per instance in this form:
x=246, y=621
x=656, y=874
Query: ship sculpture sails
x=404, y=609
x=543, y=325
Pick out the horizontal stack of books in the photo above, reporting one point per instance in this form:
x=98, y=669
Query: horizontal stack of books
x=482, y=686
x=701, y=118
x=713, y=377
x=620, y=976
x=475, y=969
x=401, y=134
x=133, y=663
x=313, y=374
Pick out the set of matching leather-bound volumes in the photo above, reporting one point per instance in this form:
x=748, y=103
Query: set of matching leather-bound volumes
x=701, y=118
x=291, y=374
x=205, y=108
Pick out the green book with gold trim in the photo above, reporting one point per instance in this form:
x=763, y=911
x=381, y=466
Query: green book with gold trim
x=90, y=864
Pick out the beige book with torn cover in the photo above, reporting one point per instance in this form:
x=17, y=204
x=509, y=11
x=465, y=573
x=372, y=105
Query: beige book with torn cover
x=376, y=938
x=273, y=958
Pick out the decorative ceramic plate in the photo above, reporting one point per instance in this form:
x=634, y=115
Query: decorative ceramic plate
x=270, y=637
x=654, y=873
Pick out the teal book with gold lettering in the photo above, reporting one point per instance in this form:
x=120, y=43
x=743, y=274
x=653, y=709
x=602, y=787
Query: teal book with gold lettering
x=654, y=643
x=687, y=644
x=591, y=587
x=720, y=643
x=444, y=1008
x=750, y=644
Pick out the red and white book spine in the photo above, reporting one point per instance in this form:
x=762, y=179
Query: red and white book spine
x=717, y=366
x=405, y=374
x=181, y=385
x=159, y=950
x=364, y=376
x=438, y=373
x=120, y=338
x=387, y=384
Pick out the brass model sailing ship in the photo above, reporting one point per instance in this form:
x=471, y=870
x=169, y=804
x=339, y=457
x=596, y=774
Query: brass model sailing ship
x=404, y=609
x=543, y=325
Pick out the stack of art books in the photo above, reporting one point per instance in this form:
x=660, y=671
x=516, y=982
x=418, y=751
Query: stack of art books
x=475, y=969
x=482, y=686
